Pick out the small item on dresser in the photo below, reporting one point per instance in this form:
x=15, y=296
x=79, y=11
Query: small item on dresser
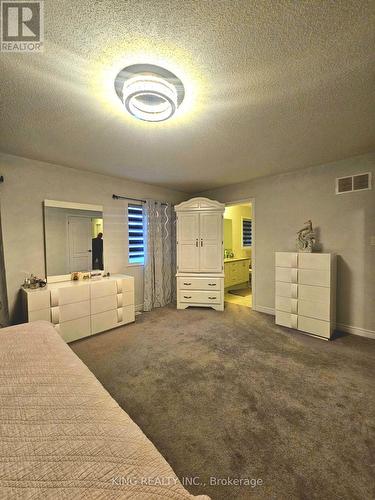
x=95, y=275
x=74, y=276
x=306, y=238
x=34, y=282
x=84, y=276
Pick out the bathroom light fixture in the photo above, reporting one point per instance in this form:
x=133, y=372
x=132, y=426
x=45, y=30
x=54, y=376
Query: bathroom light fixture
x=149, y=92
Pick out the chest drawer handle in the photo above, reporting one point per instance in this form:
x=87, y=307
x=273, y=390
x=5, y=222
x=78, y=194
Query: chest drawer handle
x=212, y=298
x=212, y=284
x=187, y=296
x=187, y=283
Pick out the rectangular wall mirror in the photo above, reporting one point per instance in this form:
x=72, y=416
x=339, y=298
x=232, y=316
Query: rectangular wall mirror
x=73, y=234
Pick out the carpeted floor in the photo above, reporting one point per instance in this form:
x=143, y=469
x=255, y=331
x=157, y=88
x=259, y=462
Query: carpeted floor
x=232, y=395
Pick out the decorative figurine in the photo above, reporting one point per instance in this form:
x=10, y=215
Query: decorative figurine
x=305, y=238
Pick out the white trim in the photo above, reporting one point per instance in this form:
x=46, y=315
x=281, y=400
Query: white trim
x=264, y=309
x=355, y=330
x=340, y=327
x=73, y=205
x=253, y=246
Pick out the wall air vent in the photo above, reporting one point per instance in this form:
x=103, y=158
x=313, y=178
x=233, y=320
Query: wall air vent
x=358, y=182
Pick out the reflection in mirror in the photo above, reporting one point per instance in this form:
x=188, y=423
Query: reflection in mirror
x=73, y=238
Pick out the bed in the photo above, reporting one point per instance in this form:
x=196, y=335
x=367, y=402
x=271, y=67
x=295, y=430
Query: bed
x=62, y=435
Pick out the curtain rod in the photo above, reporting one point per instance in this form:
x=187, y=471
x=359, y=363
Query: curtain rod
x=119, y=197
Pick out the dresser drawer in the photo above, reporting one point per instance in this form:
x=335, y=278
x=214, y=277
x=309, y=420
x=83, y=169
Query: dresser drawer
x=199, y=283
x=68, y=312
x=125, y=285
x=315, y=293
x=126, y=314
x=101, y=304
x=286, y=289
x=286, y=304
x=202, y=297
x=314, y=326
x=314, y=261
x=38, y=299
x=103, y=288
x=104, y=321
x=70, y=294
x=74, y=330
x=314, y=277
x=314, y=309
x=40, y=314
x=286, y=319
x=286, y=259
x=286, y=274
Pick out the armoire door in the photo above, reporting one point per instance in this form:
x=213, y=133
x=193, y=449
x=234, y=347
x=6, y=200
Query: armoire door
x=211, y=242
x=188, y=242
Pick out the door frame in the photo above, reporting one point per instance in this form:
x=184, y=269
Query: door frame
x=253, y=246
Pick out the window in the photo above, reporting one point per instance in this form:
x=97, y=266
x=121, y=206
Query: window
x=247, y=232
x=135, y=233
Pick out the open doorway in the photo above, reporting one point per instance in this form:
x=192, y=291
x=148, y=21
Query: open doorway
x=238, y=253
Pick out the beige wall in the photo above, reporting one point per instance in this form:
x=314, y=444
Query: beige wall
x=344, y=223
x=28, y=183
x=235, y=213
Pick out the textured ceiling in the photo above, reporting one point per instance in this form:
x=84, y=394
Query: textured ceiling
x=272, y=86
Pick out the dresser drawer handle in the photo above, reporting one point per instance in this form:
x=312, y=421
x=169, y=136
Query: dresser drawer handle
x=187, y=283
x=212, y=284
x=212, y=298
x=187, y=296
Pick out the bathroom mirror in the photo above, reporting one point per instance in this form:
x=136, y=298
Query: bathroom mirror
x=73, y=234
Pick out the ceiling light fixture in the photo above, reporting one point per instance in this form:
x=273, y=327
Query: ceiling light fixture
x=149, y=92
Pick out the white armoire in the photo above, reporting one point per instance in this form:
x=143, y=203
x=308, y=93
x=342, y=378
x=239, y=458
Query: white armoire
x=200, y=254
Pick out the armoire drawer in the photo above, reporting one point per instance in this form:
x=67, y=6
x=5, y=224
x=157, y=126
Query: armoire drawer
x=286, y=274
x=70, y=294
x=199, y=283
x=286, y=304
x=314, y=277
x=315, y=293
x=203, y=297
x=286, y=319
x=314, y=309
x=102, y=304
x=75, y=329
x=286, y=259
x=314, y=326
x=104, y=321
x=126, y=314
x=68, y=312
x=103, y=288
x=286, y=289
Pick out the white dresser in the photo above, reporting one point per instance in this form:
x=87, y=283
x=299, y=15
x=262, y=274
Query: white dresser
x=236, y=271
x=200, y=254
x=306, y=292
x=82, y=308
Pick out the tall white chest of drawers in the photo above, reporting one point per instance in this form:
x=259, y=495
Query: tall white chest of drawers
x=82, y=308
x=305, y=287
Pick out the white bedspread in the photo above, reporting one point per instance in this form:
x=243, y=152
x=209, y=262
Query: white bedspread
x=61, y=433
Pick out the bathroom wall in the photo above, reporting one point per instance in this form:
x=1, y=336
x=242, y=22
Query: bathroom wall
x=235, y=214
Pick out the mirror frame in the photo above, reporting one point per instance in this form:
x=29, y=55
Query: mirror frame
x=64, y=204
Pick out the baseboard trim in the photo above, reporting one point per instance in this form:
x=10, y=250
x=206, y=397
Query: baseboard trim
x=341, y=327
x=355, y=330
x=264, y=309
